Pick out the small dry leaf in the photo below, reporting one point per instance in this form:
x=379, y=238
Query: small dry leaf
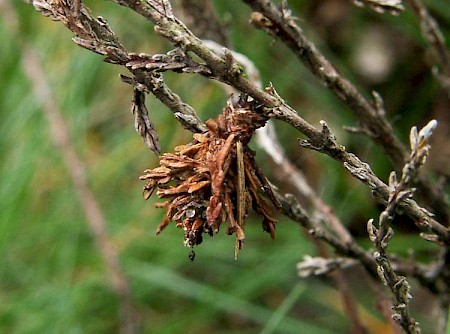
x=142, y=122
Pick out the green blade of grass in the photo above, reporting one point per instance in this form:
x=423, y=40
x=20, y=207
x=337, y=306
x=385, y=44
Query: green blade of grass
x=163, y=278
x=281, y=313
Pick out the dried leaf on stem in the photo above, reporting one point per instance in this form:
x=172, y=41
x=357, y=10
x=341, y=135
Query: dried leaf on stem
x=142, y=122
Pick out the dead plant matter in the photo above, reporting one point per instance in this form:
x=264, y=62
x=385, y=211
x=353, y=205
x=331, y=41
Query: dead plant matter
x=214, y=179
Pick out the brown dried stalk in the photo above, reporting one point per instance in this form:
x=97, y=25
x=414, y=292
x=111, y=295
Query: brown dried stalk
x=213, y=179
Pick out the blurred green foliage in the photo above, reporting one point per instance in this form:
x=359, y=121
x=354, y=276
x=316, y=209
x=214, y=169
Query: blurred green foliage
x=52, y=279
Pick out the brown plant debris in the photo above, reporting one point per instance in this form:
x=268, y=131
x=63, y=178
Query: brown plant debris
x=214, y=179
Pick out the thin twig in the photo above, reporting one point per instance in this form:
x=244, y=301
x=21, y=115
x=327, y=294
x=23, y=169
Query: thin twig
x=435, y=38
x=384, y=306
x=432, y=33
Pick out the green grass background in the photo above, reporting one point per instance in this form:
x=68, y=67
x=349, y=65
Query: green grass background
x=52, y=278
